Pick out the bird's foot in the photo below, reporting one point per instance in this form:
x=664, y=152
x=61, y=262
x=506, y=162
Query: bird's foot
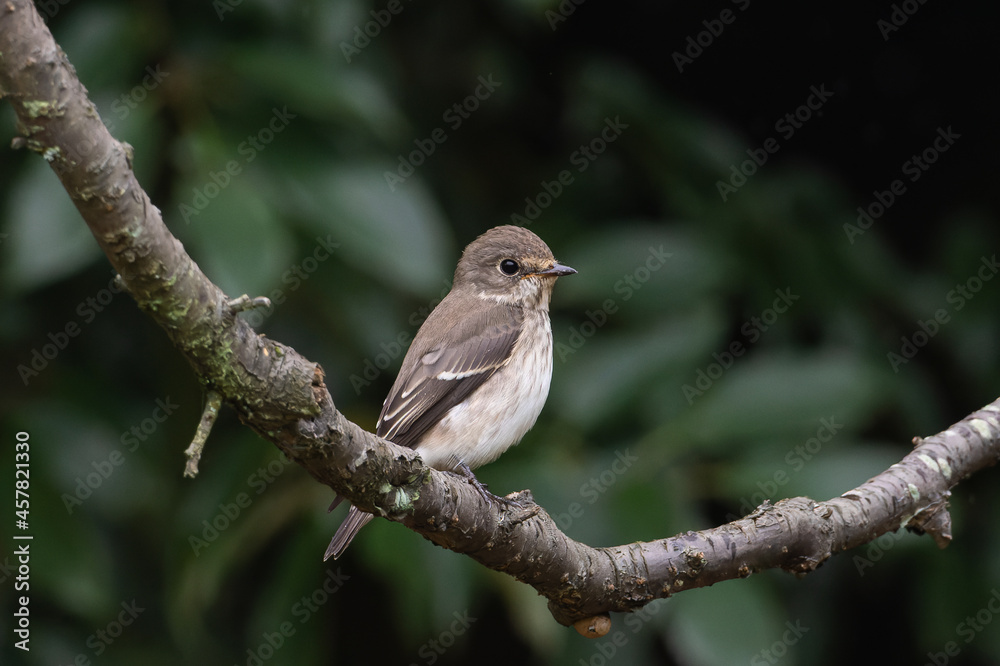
x=481, y=488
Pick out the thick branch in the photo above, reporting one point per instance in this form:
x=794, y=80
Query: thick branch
x=281, y=395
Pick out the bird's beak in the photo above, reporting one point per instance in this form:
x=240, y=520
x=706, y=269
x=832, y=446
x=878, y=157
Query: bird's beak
x=555, y=270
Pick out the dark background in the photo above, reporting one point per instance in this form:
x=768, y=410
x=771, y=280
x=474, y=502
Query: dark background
x=756, y=432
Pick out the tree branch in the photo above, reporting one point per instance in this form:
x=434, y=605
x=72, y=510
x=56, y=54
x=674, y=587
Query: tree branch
x=281, y=396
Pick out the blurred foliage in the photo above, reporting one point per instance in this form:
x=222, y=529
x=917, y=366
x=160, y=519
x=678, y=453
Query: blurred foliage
x=266, y=142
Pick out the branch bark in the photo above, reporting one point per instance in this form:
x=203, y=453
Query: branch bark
x=281, y=396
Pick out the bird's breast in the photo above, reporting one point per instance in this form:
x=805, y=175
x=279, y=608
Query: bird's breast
x=497, y=414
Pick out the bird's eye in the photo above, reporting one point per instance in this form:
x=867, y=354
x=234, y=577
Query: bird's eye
x=509, y=267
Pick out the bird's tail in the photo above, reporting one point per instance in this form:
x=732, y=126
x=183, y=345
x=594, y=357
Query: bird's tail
x=356, y=519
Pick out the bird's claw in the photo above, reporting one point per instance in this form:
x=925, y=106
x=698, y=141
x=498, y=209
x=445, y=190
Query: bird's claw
x=484, y=491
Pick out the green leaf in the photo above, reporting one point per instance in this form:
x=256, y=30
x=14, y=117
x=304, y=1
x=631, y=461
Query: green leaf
x=396, y=236
x=322, y=87
x=237, y=239
x=733, y=622
x=639, y=266
x=777, y=394
x=47, y=239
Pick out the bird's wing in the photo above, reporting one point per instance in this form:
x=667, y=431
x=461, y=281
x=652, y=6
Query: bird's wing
x=443, y=373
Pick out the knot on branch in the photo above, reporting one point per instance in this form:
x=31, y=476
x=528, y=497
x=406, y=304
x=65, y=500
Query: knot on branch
x=935, y=521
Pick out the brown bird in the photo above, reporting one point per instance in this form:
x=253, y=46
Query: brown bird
x=478, y=371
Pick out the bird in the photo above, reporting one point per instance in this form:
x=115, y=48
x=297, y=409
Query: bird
x=478, y=370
